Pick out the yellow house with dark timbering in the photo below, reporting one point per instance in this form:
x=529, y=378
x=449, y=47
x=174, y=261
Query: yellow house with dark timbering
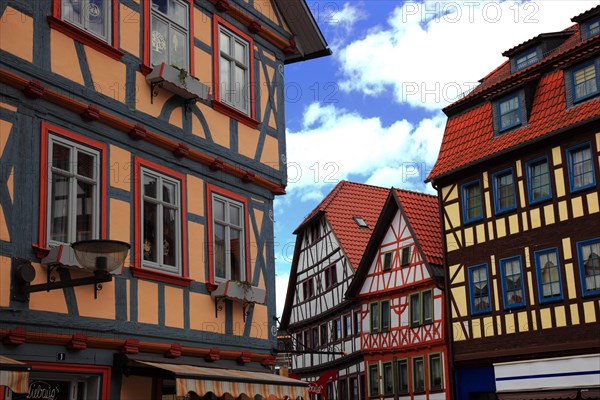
x=159, y=124
x=517, y=178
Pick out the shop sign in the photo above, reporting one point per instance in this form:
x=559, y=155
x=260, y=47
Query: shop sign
x=319, y=386
x=45, y=390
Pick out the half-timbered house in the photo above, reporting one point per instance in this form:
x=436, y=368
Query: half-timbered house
x=399, y=284
x=517, y=178
x=324, y=326
x=156, y=125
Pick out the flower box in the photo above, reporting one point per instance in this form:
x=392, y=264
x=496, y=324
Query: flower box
x=241, y=292
x=177, y=81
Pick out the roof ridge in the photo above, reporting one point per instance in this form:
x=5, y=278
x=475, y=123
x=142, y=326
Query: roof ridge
x=415, y=192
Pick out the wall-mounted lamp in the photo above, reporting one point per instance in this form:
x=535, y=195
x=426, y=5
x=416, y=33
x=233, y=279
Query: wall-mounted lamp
x=99, y=257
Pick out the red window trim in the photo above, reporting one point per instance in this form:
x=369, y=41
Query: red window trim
x=137, y=270
x=46, y=129
x=146, y=67
x=103, y=371
x=210, y=189
x=109, y=49
x=249, y=120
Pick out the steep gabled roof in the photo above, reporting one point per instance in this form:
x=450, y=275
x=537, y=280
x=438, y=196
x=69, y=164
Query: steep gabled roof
x=423, y=219
x=346, y=201
x=469, y=135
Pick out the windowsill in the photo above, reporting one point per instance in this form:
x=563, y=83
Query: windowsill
x=473, y=221
x=584, y=98
x=582, y=188
x=505, y=211
x=160, y=276
x=539, y=201
x=235, y=114
x=84, y=37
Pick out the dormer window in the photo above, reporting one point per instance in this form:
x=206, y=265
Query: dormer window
x=509, y=112
x=593, y=28
x=526, y=59
x=585, y=81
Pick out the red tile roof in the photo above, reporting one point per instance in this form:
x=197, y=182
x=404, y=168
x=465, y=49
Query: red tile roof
x=469, y=135
x=346, y=201
x=423, y=215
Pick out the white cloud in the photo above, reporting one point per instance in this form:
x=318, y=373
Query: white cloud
x=428, y=53
x=335, y=144
x=346, y=17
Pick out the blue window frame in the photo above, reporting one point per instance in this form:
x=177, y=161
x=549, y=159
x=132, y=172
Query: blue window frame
x=588, y=253
x=513, y=291
x=581, y=167
x=509, y=112
x=593, y=28
x=526, y=59
x=479, y=289
x=504, y=191
x=471, y=202
x=585, y=81
x=548, y=275
x=538, y=180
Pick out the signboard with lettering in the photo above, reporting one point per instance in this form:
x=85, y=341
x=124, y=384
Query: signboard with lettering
x=46, y=390
x=318, y=387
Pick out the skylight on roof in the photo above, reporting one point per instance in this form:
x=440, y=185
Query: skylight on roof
x=361, y=222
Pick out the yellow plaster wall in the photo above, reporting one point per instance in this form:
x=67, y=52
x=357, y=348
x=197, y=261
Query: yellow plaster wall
x=509, y=322
x=108, y=74
x=577, y=207
x=203, y=66
x=546, y=318
x=174, y=310
x=536, y=222
x=63, y=57
x=197, y=128
x=136, y=387
x=460, y=299
x=147, y=302
x=270, y=153
x=196, y=248
x=592, y=202
x=176, y=117
x=488, y=207
x=195, y=190
x=475, y=328
x=458, y=278
x=556, y=156
x=218, y=124
x=513, y=224
x=120, y=228
x=450, y=193
x=469, y=236
x=202, y=317
x=120, y=168
x=488, y=326
x=142, y=97
x=525, y=221
x=559, y=182
x=52, y=301
x=452, y=215
x=129, y=30
x=451, y=243
x=589, y=312
x=247, y=140
x=501, y=227
x=16, y=33
x=5, y=278
x=265, y=8
x=574, y=314
x=521, y=195
x=202, y=27
x=523, y=321
x=549, y=214
x=102, y=307
x=8, y=107
x=480, y=229
x=485, y=180
x=563, y=212
x=5, y=132
x=260, y=322
x=560, y=316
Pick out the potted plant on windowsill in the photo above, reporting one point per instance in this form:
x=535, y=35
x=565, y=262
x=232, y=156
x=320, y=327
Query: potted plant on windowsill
x=240, y=291
x=177, y=81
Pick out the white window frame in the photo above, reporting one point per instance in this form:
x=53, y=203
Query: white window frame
x=156, y=14
x=73, y=177
x=228, y=226
x=161, y=204
x=85, y=21
x=241, y=89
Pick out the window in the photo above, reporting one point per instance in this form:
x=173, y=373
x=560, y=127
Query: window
x=315, y=337
x=504, y=191
x=337, y=330
x=585, y=81
x=353, y=389
x=329, y=389
x=92, y=16
x=330, y=276
x=402, y=376
x=538, y=180
x=388, y=379
x=509, y=112
x=347, y=325
x=234, y=69
x=589, y=266
x=308, y=289
x=512, y=282
x=387, y=261
x=357, y=322
x=324, y=337
x=73, y=203
x=374, y=315
x=405, y=255
x=435, y=372
x=373, y=380
x=229, y=239
x=306, y=340
x=593, y=28
x=479, y=289
x=421, y=308
x=418, y=374
x=360, y=222
x=548, y=275
x=471, y=197
x=300, y=340
x=343, y=389
x=581, y=167
x=169, y=41
x=526, y=59
x=385, y=315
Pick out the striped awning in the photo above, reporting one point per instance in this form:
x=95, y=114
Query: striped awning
x=14, y=374
x=202, y=380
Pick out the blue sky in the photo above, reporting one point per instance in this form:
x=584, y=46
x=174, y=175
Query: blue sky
x=371, y=112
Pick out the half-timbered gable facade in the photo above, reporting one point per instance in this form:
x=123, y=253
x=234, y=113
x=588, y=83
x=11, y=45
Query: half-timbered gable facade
x=325, y=327
x=517, y=177
x=160, y=124
x=399, y=285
